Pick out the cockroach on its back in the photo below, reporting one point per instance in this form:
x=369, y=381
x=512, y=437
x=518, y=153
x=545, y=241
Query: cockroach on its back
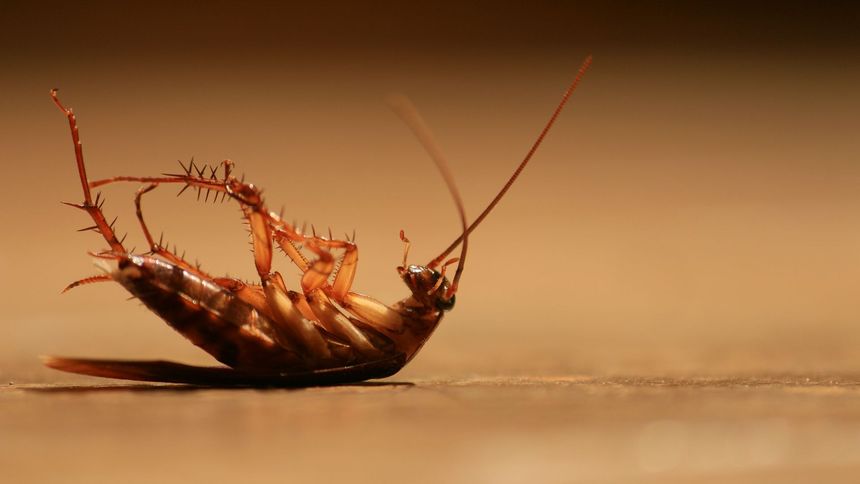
x=267, y=334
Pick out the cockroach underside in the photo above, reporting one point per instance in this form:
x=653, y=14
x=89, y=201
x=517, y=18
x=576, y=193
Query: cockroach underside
x=265, y=333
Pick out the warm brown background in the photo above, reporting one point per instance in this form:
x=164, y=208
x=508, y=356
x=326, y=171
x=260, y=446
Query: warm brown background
x=696, y=211
x=695, y=208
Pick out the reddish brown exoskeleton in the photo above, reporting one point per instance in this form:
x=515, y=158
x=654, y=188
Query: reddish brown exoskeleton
x=267, y=334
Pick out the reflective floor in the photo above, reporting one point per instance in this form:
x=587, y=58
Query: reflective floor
x=539, y=429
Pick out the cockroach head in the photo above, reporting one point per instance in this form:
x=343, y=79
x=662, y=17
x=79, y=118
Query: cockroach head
x=429, y=287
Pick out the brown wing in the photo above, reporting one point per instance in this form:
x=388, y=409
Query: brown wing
x=170, y=372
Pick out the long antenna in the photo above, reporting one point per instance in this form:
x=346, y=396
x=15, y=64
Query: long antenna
x=462, y=238
x=407, y=112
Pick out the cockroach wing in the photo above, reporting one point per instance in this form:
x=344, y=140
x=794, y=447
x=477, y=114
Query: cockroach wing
x=171, y=372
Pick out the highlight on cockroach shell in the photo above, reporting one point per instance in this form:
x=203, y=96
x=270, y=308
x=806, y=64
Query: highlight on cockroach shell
x=265, y=333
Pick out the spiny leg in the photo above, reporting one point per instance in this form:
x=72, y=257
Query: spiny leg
x=137, y=196
x=295, y=320
x=265, y=226
x=317, y=275
x=319, y=270
x=319, y=295
x=190, y=180
x=286, y=237
x=287, y=242
x=240, y=289
x=259, y=218
x=247, y=195
x=297, y=332
x=368, y=309
x=314, y=281
x=273, y=285
x=261, y=241
x=155, y=247
x=315, y=304
x=291, y=310
x=93, y=208
x=191, y=176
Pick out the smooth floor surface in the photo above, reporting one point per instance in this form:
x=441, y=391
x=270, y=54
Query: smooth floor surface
x=524, y=429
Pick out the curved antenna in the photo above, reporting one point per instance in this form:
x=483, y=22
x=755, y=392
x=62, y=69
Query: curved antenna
x=406, y=111
x=462, y=238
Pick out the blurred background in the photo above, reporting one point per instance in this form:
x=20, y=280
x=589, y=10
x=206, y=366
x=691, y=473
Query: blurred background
x=696, y=209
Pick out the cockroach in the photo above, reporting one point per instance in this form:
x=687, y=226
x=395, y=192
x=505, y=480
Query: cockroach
x=264, y=333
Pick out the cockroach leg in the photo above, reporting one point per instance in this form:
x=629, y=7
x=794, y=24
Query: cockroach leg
x=93, y=208
x=79, y=151
x=316, y=291
x=320, y=269
x=330, y=317
x=293, y=325
x=285, y=309
x=194, y=181
x=373, y=312
x=286, y=241
x=316, y=273
x=346, y=273
x=261, y=240
x=155, y=247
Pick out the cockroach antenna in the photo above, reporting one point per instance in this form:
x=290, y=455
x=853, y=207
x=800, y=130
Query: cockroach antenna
x=410, y=116
x=462, y=238
x=407, y=112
